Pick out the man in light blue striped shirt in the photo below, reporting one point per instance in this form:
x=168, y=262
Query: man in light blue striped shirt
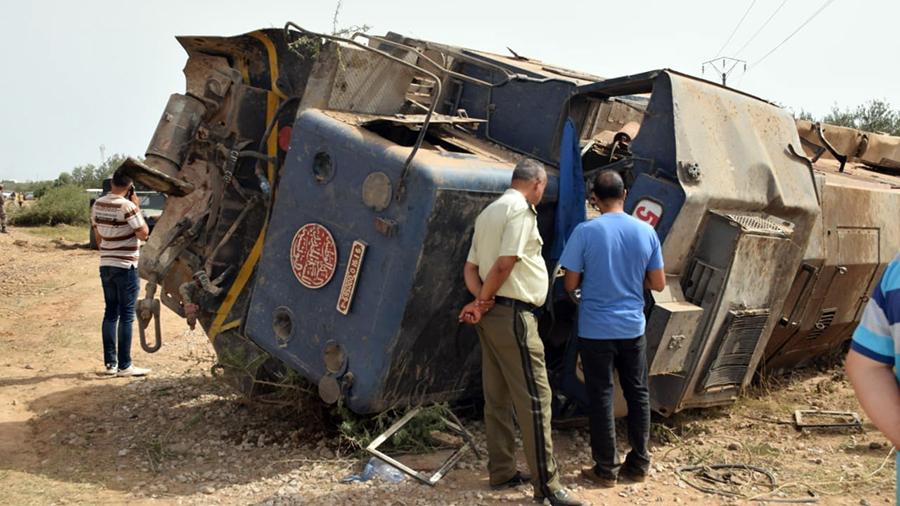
x=875, y=350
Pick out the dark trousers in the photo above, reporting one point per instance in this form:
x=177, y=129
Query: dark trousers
x=600, y=358
x=120, y=291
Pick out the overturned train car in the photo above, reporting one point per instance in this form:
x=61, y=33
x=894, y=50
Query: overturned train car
x=322, y=194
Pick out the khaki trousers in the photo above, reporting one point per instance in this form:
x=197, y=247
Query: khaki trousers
x=514, y=377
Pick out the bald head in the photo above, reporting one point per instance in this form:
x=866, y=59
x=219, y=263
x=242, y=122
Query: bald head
x=608, y=185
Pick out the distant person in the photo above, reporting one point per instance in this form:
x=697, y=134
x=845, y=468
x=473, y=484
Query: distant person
x=20, y=199
x=874, y=351
x=2, y=212
x=119, y=228
x=613, y=258
x=507, y=275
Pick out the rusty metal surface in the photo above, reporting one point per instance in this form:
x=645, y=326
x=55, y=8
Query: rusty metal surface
x=349, y=79
x=739, y=145
x=355, y=118
x=731, y=160
x=856, y=234
x=853, y=238
x=872, y=149
x=175, y=131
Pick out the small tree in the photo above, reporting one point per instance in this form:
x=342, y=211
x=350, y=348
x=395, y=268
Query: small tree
x=90, y=175
x=873, y=116
x=805, y=115
x=64, y=179
x=62, y=204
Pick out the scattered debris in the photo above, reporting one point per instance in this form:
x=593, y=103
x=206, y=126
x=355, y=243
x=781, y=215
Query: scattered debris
x=740, y=481
x=376, y=467
x=815, y=419
x=452, y=423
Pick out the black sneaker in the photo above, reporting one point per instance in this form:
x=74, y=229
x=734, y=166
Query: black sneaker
x=591, y=475
x=518, y=479
x=560, y=498
x=632, y=475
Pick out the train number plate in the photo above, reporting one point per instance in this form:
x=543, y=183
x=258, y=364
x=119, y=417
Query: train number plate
x=351, y=276
x=313, y=255
x=648, y=211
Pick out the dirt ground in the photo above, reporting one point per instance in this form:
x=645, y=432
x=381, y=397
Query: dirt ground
x=69, y=436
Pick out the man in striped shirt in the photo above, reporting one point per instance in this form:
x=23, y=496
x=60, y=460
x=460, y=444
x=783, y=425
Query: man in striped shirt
x=875, y=350
x=119, y=228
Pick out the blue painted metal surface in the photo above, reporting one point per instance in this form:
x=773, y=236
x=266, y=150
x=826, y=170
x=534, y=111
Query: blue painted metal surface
x=401, y=334
x=667, y=194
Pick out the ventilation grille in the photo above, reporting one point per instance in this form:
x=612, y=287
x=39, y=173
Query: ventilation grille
x=826, y=318
x=756, y=224
x=739, y=339
x=697, y=281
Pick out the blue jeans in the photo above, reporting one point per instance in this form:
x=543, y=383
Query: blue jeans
x=600, y=359
x=120, y=291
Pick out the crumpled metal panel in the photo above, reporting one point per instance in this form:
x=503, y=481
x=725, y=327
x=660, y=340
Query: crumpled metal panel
x=354, y=80
x=738, y=144
x=854, y=238
x=873, y=149
x=730, y=154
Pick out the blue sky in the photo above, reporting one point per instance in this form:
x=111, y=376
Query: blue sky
x=83, y=74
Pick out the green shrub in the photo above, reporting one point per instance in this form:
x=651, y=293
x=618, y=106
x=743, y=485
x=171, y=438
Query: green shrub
x=65, y=204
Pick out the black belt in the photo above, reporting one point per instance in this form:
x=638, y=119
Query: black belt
x=514, y=303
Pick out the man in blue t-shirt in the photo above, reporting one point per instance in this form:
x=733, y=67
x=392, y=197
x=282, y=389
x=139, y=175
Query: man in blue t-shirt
x=874, y=352
x=614, y=258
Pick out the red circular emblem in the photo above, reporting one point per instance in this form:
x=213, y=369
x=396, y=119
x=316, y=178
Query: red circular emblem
x=313, y=255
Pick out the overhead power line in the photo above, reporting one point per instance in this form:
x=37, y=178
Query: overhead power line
x=736, y=28
x=760, y=29
x=822, y=8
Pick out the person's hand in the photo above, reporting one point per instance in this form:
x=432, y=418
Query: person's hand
x=471, y=313
x=484, y=305
x=134, y=198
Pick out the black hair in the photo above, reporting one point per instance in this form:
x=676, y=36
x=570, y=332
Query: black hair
x=608, y=185
x=120, y=179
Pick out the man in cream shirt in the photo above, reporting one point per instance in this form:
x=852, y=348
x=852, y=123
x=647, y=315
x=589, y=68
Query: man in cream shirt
x=507, y=275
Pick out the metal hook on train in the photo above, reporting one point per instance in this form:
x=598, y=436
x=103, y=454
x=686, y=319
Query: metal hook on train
x=796, y=153
x=148, y=309
x=842, y=158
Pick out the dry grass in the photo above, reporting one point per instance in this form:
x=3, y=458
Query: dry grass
x=73, y=233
